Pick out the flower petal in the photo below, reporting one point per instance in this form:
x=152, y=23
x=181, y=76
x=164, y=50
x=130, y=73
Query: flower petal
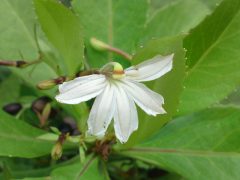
x=150, y=69
x=81, y=89
x=145, y=98
x=102, y=112
x=125, y=117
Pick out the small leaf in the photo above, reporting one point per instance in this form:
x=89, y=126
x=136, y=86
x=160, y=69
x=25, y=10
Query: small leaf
x=48, y=137
x=55, y=130
x=63, y=30
x=81, y=154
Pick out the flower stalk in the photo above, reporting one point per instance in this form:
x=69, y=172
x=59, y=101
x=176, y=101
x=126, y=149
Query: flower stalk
x=101, y=46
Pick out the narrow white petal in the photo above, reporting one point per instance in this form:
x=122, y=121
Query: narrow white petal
x=145, y=98
x=125, y=117
x=150, y=69
x=102, y=112
x=81, y=89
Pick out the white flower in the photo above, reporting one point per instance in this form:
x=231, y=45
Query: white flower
x=116, y=90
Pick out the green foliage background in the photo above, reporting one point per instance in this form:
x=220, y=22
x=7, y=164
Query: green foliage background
x=199, y=136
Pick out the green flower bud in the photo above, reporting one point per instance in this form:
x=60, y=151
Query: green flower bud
x=48, y=84
x=56, y=151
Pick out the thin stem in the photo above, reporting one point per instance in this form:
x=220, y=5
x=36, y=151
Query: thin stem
x=22, y=63
x=102, y=46
x=48, y=84
x=120, y=52
x=18, y=64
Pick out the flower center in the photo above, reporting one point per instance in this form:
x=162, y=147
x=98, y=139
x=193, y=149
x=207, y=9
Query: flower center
x=118, y=71
x=113, y=69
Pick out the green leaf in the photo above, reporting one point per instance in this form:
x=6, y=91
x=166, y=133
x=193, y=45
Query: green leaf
x=169, y=86
x=9, y=88
x=32, y=75
x=233, y=99
x=118, y=23
x=19, y=38
x=212, y=3
x=64, y=31
x=19, y=139
x=175, y=18
x=203, y=145
x=88, y=170
x=17, y=42
x=213, y=52
x=36, y=178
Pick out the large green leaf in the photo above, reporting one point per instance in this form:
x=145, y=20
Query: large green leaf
x=200, y=146
x=17, y=39
x=21, y=168
x=63, y=30
x=118, y=23
x=213, y=52
x=88, y=170
x=169, y=86
x=174, y=18
x=16, y=29
x=19, y=139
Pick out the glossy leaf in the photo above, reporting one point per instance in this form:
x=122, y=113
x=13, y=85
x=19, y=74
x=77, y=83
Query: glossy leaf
x=203, y=145
x=213, y=52
x=64, y=31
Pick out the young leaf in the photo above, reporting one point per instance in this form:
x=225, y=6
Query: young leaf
x=213, y=52
x=63, y=30
x=169, y=86
x=204, y=145
x=19, y=139
x=118, y=23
